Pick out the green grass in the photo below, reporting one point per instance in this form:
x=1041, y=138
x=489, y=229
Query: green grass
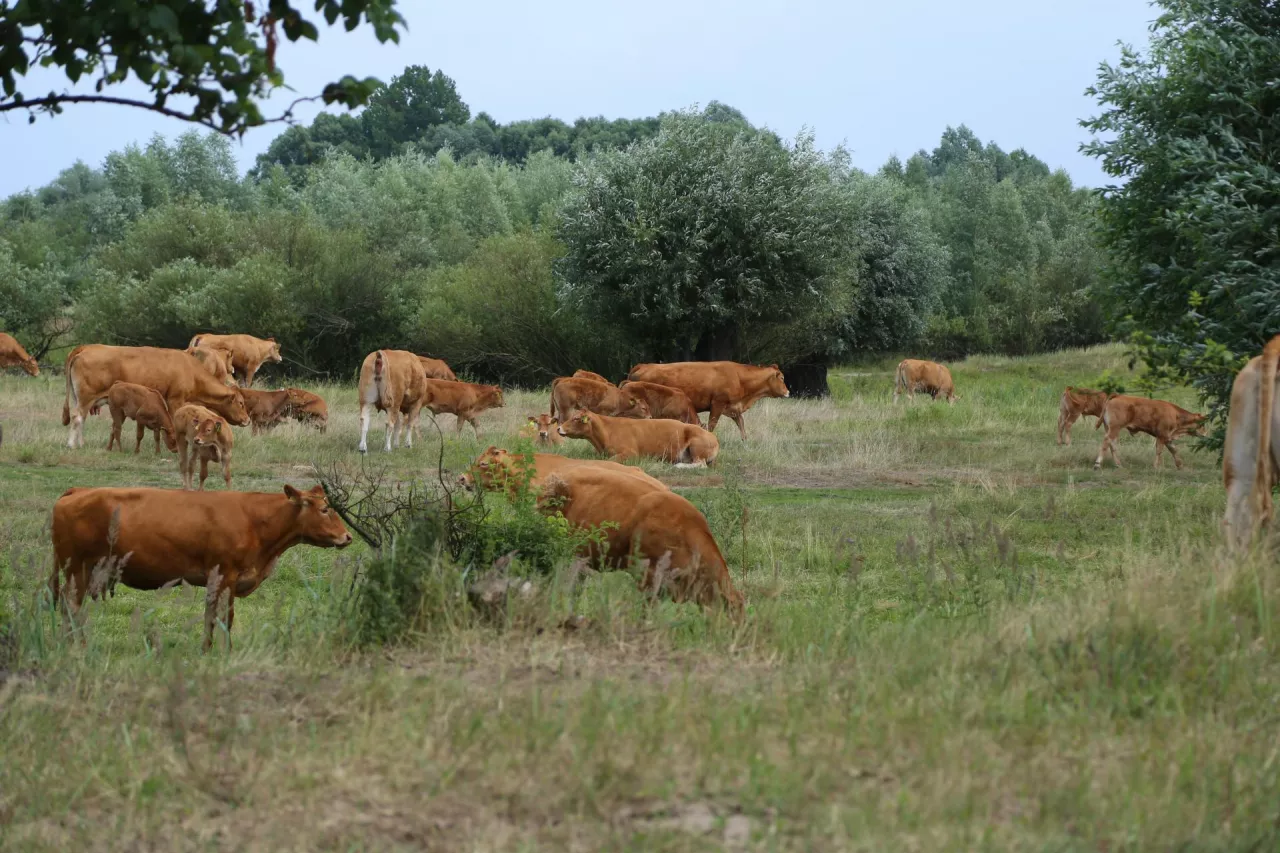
x=959, y=637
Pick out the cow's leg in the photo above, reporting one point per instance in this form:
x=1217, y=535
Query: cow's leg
x=1177, y=460
x=1159, y=451
x=1065, y=422
x=204, y=470
x=717, y=409
x=1102, y=451
x=737, y=419
x=393, y=424
x=226, y=468
x=156, y=432
x=1111, y=439
x=249, y=371
x=183, y=451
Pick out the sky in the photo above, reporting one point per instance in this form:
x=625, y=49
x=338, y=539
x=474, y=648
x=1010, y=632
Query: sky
x=881, y=78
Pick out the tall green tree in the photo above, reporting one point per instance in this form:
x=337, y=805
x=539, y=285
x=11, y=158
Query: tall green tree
x=1192, y=127
x=415, y=101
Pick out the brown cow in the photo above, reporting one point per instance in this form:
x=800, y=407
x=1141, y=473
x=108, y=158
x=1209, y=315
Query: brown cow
x=646, y=522
x=13, y=355
x=171, y=536
x=464, y=400
x=217, y=361
x=1158, y=418
x=266, y=408
x=687, y=445
x=1251, y=457
x=92, y=370
x=147, y=407
x=587, y=374
x=569, y=394
x=436, y=368
x=542, y=429
x=205, y=436
x=247, y=352
x=1077, y=402
x=308, y=408
x=718, y=387
x=497, y=468
x=930, y=377
x=664, y=401
x=392, y=381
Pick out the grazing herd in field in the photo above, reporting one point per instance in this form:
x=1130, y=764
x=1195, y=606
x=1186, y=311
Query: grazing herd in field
x=190, y=400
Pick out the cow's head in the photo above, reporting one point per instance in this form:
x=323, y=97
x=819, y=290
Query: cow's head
x=170, y=440
x=205, y=432
x=31, y=367
x=232, y=408
x=491, y=397
x=775, y=383
x=273, y=354
x=545, y=426
x=317, y=523
x=577, y=425
x=634, y=406
x=1194, y=424
x=491, y=469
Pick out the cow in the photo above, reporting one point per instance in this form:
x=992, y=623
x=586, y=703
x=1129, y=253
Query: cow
x=163, y=535
x=1251, y=457
x=13, y=355
x=463, y=400
x=91, y=370
x=205, y=436
x=569, y=394
x=1077, y=402
x=266, y=408
x=247, y=352
x=308, y=408
x=394, y=382
x=686, y=445
x=587, y=374
x=435, y=368
x=147, y=407
x=216, y=361
x=1158, y=418
x=718, y=387
x=642, y=521
x=930, y=377
x=497, y=469
x=542, y=429
x=664, y=401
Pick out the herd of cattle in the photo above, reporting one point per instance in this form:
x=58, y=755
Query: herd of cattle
x=191, y=399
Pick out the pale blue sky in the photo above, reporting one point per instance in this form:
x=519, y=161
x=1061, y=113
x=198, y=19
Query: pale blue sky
x=883, y=78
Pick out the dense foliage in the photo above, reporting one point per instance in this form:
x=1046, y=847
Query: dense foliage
x=1192, y=126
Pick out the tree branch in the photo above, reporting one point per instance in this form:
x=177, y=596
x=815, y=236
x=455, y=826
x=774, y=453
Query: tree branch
x=51, y=101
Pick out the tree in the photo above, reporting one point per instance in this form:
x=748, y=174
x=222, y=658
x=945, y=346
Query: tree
x=1192, y=127
x=705, y=232
x=215, y=60
x=410, y=105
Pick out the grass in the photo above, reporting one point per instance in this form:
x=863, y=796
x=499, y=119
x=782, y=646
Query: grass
x=959, y=637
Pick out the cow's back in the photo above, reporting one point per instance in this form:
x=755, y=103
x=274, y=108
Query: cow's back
x=701, y=381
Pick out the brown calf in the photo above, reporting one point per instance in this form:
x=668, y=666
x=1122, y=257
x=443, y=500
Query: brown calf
x=308, y=408
x=147, y=407
x=1158, y=418
x=266, y=408
x=719, y=387
x=664, y=401
x=463, y=400
x=543, y=430
x=930, y=377
x=435, y=368
x=587, y=374
x=204, y=435
x=1077, y=402
x=13, y=355
x=686, y=445
x=569, y=394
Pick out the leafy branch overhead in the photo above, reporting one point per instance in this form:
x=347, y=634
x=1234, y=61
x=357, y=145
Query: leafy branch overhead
x=211, y=64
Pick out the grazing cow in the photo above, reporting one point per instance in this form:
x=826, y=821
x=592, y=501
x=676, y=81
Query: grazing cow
x=92, y=370
x=308, y=408
x=687, y=445
x=464, y=400
x=1251, y=457
x=266, y=408
x=247, y=352
x=542, y=429
x=587, y=374
x=647, y=522
x=13, y=355
x=435, y=368
x=1077, y=402
x=664, y=401
x=217, y=361
x=205, y=436
x=147, y=407
x=1158, y=418
x=392, y=381
x=569, y=394
x=171, y=536
x=718, y=387
x=927, y=376
x=497, y=468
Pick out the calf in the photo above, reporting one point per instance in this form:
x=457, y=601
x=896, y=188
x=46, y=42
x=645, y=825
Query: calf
x=435, y=368
x=204, y=435
x=654, y=524
x=147, y=407
x=543, y=430
x=248, y=353
x=266, y=408
x=664, y=401
x=1251, y=455
x=1158, y=418
x=930, y=377
x=308, y=408
x=569, y=394
x=587, y=374
x=498, y=469
x=184, y=536
x=1077, y=402
x=463, y=400
x=719, y=387
x=686, y=445
x=13, y=355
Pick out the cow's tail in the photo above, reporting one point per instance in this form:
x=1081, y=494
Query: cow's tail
x=552, y=409
x=381, y=386
x=900, y=379
x=1262, y=478
x=72, y=394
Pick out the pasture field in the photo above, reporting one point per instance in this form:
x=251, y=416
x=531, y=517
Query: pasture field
x=959, y=636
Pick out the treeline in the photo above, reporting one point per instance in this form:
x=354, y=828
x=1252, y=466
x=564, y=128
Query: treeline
x=541, y=247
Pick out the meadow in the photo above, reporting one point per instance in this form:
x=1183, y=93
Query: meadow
x=959, y=636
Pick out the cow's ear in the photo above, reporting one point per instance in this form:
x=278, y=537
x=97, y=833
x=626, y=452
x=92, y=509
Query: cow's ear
x=555, y=420
x=585, y=419
x=533, y=420
x=217, y=427
x=292, y=494
x=317, y=490
x=273, y=340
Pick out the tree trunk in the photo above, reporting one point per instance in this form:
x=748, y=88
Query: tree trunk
x=807, y=378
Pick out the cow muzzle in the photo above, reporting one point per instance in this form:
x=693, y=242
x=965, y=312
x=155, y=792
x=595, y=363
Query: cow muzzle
x=343, y=541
